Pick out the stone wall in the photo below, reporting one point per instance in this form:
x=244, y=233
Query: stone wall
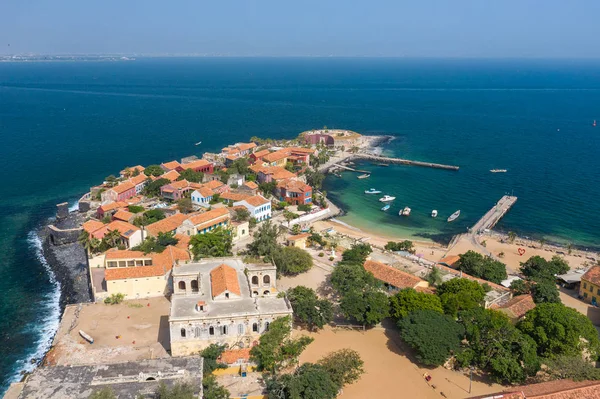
x=62, y=210
x=60, y=237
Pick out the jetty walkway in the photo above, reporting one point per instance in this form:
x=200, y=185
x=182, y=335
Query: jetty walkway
x=349, y=168
x=492, y=216
x=380, y=159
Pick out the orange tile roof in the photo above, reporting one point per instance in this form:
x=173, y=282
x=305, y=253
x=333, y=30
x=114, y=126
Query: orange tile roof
x=450, y=270
x=592, y=275
x=257, y=200
x=246, y=146
x=184, y=241
x=126, y=254
x=123, y=215
x=113, y=205
x=177, y=185
x=234, y=196
x=121, y=188
x=251, y=185
x=277, y=172
x=232, y=157
x=214, y=184
x=232, y=356
x=558, y=389
x=277, y=155
x=295, y=186
x=224, y=278
x=171, y=175
x=124, y=228
x=167, y=224
x=298, y=237
x=209, y=216
x=195, y=164
x=261, y=153
x=161, y=264
x=205, y=192
x=92, y=225
x=518, y=306
x=391, y=275
x=132, y=169
x=301, y=150
x=139, y=179
x=171, y=165
x=450, y=260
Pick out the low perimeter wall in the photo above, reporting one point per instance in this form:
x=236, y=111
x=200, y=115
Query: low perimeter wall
x=60, y=237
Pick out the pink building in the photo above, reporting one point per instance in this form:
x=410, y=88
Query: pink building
x=120, y=192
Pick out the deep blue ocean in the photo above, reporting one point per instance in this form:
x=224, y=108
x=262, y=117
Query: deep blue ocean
x=66, y=125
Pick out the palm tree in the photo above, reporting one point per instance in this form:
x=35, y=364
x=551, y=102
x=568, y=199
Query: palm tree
x=569, y=248
x=512, y=236
x=85, y=239
x=112, y=238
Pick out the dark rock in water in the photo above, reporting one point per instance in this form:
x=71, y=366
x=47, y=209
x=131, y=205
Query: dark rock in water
x=33, y=360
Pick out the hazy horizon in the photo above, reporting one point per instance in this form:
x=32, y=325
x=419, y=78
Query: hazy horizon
x=427, y=29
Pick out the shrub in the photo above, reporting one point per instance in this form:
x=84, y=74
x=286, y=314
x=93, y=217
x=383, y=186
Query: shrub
x=114, y=299
x=331, y=258
x=321, y=254
x=135, y=208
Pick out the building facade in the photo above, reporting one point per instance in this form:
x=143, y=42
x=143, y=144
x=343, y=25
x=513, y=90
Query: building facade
x=589, y=290
x=258, y=206
x=294, y=192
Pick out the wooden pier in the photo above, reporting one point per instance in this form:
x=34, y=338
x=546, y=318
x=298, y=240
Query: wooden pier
x=400, y=161
x=492, y=216
x=337, y=165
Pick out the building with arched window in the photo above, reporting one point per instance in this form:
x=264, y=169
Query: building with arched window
x=222, y=301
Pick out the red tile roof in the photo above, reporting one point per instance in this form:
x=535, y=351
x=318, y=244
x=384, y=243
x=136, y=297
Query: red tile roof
x=195, y=164
x=251, y=185
x=277, y=172
x=246, y=146
x=167, y=224
x=161, y=263
x=139, y=179
x=209, y=216
x=171, y=175
x=232, y=356
x=298, y=237
x=124, y=228
x=261, y=153
x=224, y=278
x=391, y=275
x=592, y=275
x=92, y=225
x=214, y=184
x=518, y=306
x=450, y=270
x=234, y=196
x=113, y=205
x=205, y=192
x=171, y=165
x=450, y=260
x=301, y=150
x=257, y=200
x=132, y=169
x=184, y=241
x=277, y=155
x=123, y=215
x=294, y=186
x=121, y=188
x=558, y=389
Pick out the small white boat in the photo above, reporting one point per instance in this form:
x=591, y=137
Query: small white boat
x=434, y=213
x=386, y=207
x=498, y=170
x=366, y=175
x=87, y=337
x=454, y=216
x=405, y=211
x=198, y=143
x=386, y=198
x=372, y=191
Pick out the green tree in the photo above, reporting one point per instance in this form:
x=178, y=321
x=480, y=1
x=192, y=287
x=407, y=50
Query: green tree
x=348, y=277
x=241, y=214
x=240, y=166
x=112, y=238
x=314, y=178
x=497, y=346
x=408, y=300
x=563, y=367
x=292, y=260
x=104, y=393
x=111, y=180
x=210, y=354
x=367, y=306
x=405, y=245
x=89, y=243
x=267, y=188
x=434, y=277
x=191, y=176
x=212, y=389
x=213, y=244
x=460, y=294
x=545, y=292
x=152, y=189
x=308, y=308
x=265, y=240
x=344, y=366
x=182, y=390
x=154, y=170
x=432, y=349
x=184, y=205
x=538, y=268
x=309, y=381
x=289, y=216
x=149, y=217
x=357, y=254
x=559, y=330
x=512, y=236
x=252, y=222
x=520, y=287
x=276, y=349
x=135, y=208
x=481, y=266
x=296, y=229
x=289, y=167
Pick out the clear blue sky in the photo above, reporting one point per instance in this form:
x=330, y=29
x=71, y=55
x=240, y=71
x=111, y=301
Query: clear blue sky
x=415, y=28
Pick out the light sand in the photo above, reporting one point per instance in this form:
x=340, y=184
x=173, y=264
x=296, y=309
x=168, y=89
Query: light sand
x=388, y=372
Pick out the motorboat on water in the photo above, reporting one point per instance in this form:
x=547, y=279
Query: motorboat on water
x=434, y=213
x=498, y=170
x=372, y=191
x=387, y=198
x=386, y=207
x=366, y=175
x=454, y=216
x=405, y=211
x=198, y=143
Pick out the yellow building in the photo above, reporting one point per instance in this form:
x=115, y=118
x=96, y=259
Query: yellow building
x=298, y=240
x=589, y=290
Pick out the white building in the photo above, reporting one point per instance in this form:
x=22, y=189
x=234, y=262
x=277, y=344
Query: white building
x=258, y=206
x=202, y=197
x=222, y=301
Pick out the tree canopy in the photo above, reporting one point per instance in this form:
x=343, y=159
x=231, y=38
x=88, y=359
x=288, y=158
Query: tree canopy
x=314, y=178
x=344, y=366
x=309, y=381
x=481, y=266
x=184, y=205
x=367, y=306
x=538, y=268
x=153, y=170
x=215, y=243
x=408, y=300
x=309, y=308
x=357, y=254
x=182, y=390
x=405, y=245
x=545, y=292
x=157, y=244
x=191, y=176
x=559, y=330
x=460, y=294
x=432, y=335
x=292, y=260
x=152, y=189
x=351, y=276
x=265, y=240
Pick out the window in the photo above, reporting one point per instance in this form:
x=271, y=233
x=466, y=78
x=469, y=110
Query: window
x=267, y=326
x=139, y=263
x=255, y=280
x=266, y=293
x=585, y=294
x=240, y=328
x=194, y=285
x=598, y=291
x=211, y=330
x=243, y=232
x=130, y=263
x=147, y=262
x=227, y=295
x=122, y=263
x=266, y=280
x=183, y=333
x=584, y=285
x=197, y=332
x=181, y=285
x=223, y=330
x=112, y=264
x=255, y=293
x=254, y=327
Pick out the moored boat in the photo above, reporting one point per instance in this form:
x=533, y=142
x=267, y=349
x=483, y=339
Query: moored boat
x=372, y=191
x=405, y=211
x=386, y=207
x=387, y=198
x=86, y=336
x=434, y=213
x=454, y=216
x=364, y=176
x=498, y=170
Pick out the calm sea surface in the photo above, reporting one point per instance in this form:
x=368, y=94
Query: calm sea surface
x=65, y=126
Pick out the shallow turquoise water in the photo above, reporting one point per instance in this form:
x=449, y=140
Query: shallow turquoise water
x=65, y=126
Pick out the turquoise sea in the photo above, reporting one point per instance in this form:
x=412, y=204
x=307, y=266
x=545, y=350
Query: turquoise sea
x=65, y=126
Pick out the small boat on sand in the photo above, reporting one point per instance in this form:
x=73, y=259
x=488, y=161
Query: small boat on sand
x=372, y=191
x=387, y=198
x=87, y=337
x=386, y=207
x=454, y=216
x=405, y=211
x=434, y=213
x=366, y=175
x=498, y=170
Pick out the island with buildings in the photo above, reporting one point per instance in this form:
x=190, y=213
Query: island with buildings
x=229, y=276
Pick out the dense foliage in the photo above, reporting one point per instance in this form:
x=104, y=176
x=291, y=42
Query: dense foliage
x=537, y=268
x=408, y=300
x=481, y=266
x=357, y=254
x=344, y=366
x=314, y=178
x=153, y=170
x=292, y=260
x=460, y=294
x=265, y=240
x=212, y=389
x=241, y=214
x=135, y=208
x=157, y=244
x=216, y=243
x=545, y=292
x=309, y=308
x=152, y=189
x=367, y=306
x=182, y=390
x=432, y=335
x=405, y=245
x=191, y=176
x=184, y=205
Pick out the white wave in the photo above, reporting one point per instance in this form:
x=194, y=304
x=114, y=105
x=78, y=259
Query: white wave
x=74, y=207
x=49, y=311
